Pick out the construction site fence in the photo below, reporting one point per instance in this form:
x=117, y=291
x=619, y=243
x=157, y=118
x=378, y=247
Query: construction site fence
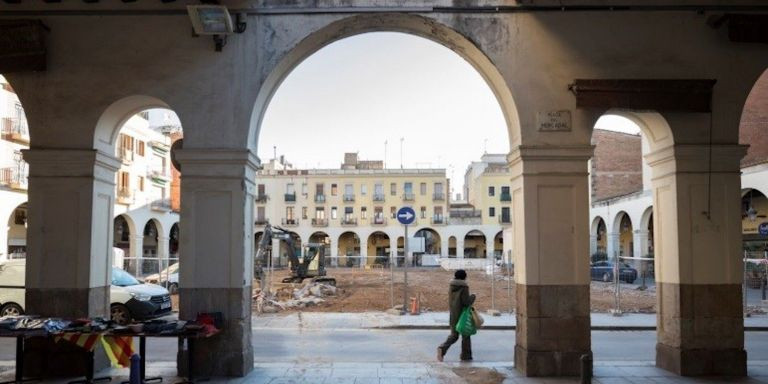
x=381, y=261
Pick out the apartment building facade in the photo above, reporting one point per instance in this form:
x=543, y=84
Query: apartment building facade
x=14, y=137
x=353, y=210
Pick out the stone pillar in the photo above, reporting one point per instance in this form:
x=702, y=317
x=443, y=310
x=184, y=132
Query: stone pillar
x=459, y=249
x=613, y=245
x=70, y=230
x=277, y=250
x=489, y=248
x=697, y=235
x=592, y=245
x=217, y=214
x=444, y=245
x=136, y=254
x=334, y=255
x=162, y=252
x=550, y=198
x=363, y=253
x=640, y=247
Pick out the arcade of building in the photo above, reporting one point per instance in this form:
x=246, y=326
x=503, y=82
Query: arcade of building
x=682, y=73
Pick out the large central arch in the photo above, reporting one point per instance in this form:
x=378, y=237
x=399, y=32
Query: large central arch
x=410, y=24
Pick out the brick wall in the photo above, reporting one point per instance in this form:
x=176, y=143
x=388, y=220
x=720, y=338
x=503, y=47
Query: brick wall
x=617, y=167
x=754, y=124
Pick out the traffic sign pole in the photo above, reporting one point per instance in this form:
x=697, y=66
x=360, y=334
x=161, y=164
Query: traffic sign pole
x=405, y=271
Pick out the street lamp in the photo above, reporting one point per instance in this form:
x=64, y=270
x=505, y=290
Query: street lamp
x=215, y=20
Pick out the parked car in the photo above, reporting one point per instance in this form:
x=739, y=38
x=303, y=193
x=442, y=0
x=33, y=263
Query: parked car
x=168, y=278
x=603, y=270
x=130, y=299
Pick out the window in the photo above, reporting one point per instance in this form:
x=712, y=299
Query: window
x=363, y=189
x=349, y=189
x=491, y=191
x=423, y=212
x=319, y=189
x=364, y=213
x=124, y=181
x=126, y=142
x=378, y=214
x=141, y=183
x=260, y=215
x=304, y=189
x=140, y=148
x=505, y=190
x=439, y=213
x=320, y=213
x=378, y=189
x=392, y=212
x=348, y=212
x=334, y=189
x=491, y=211
x=393, y=189
x=505, y=215
x=438, y=188
x=289, y=213
x=304, y=213
x=408, y=188
x=423, y=189
x=334, y=213
x=289, y=189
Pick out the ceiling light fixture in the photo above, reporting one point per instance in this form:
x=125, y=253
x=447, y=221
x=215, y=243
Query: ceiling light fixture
x=215, y=20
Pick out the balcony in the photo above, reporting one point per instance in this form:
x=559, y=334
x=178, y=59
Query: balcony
x=505, y=197
x=157, y=174
x=349, y=221
x=438, y=220
x=14, y=177
x=261, y=221
x=290, y=222
x=125, y=155
x=319, y=198
x=319, y=222
x=409, y=197
x=162, y=205
x=261, y=198
x=505, y=219
x=124, y=196
x=349, y=198
x=290, y=197
x=15, y=130
x=438, y=196
x=380, y=220
x=465, y=216
x=378, y=197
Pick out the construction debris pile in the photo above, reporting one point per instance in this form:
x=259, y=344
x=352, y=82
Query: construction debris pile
x=292, y=296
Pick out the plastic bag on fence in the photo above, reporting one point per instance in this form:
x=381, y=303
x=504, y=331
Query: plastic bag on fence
x=477, y=319
x=466, y=326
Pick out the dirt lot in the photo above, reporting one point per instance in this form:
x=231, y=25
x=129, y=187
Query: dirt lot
x=367, y=290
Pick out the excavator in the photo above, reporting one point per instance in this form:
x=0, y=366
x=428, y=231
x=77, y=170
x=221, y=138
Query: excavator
x=309, y=265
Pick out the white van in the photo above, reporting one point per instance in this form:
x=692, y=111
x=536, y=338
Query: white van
x=130, y=299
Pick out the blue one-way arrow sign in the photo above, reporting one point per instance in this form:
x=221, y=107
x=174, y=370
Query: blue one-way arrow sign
x=406, y=215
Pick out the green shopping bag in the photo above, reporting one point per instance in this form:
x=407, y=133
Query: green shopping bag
x=466, y=326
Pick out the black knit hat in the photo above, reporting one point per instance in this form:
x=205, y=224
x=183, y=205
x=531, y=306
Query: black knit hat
x=460, y=274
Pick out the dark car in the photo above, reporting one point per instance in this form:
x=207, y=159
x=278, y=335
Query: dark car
x=603, y=270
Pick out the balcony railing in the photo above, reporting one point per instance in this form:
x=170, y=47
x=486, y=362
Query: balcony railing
x=438, y=196
x=160, y=205
x=157, y=173
x=261, y=221
x=505, y=219
x=15, y=129
x=349, y=197
x=409, y=196
x=349, y=221
x=378, y=197
x=290, y=222
x=261, y=198
x=505, y=197
x=319, y=222
x=125, y=154
x=465, y=216
x=290, y=197
x=14, y=177
x=124, y=195
x=379, y=220
x=319, y=198
x=439, y=220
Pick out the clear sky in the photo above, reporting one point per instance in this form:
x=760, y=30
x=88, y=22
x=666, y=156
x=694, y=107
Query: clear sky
x=360, y=92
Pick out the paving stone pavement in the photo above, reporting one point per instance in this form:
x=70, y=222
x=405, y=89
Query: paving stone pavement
x=425, y=373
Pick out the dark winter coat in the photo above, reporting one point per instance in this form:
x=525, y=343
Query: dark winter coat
x=458, y=299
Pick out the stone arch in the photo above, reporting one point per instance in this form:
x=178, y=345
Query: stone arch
x=379, y=248
x=16, y=231
x=152, y=232
x=646, y=219
x=112, y=119
x=474, y=244
x=390, y=22
x=349, y=246
x=652, y=125
x=452, y=244
x=617, y=219
x=596, y=225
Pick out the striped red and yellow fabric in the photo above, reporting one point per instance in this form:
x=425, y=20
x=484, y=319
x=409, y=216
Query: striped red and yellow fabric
x=86, y=341
x=119, y=349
